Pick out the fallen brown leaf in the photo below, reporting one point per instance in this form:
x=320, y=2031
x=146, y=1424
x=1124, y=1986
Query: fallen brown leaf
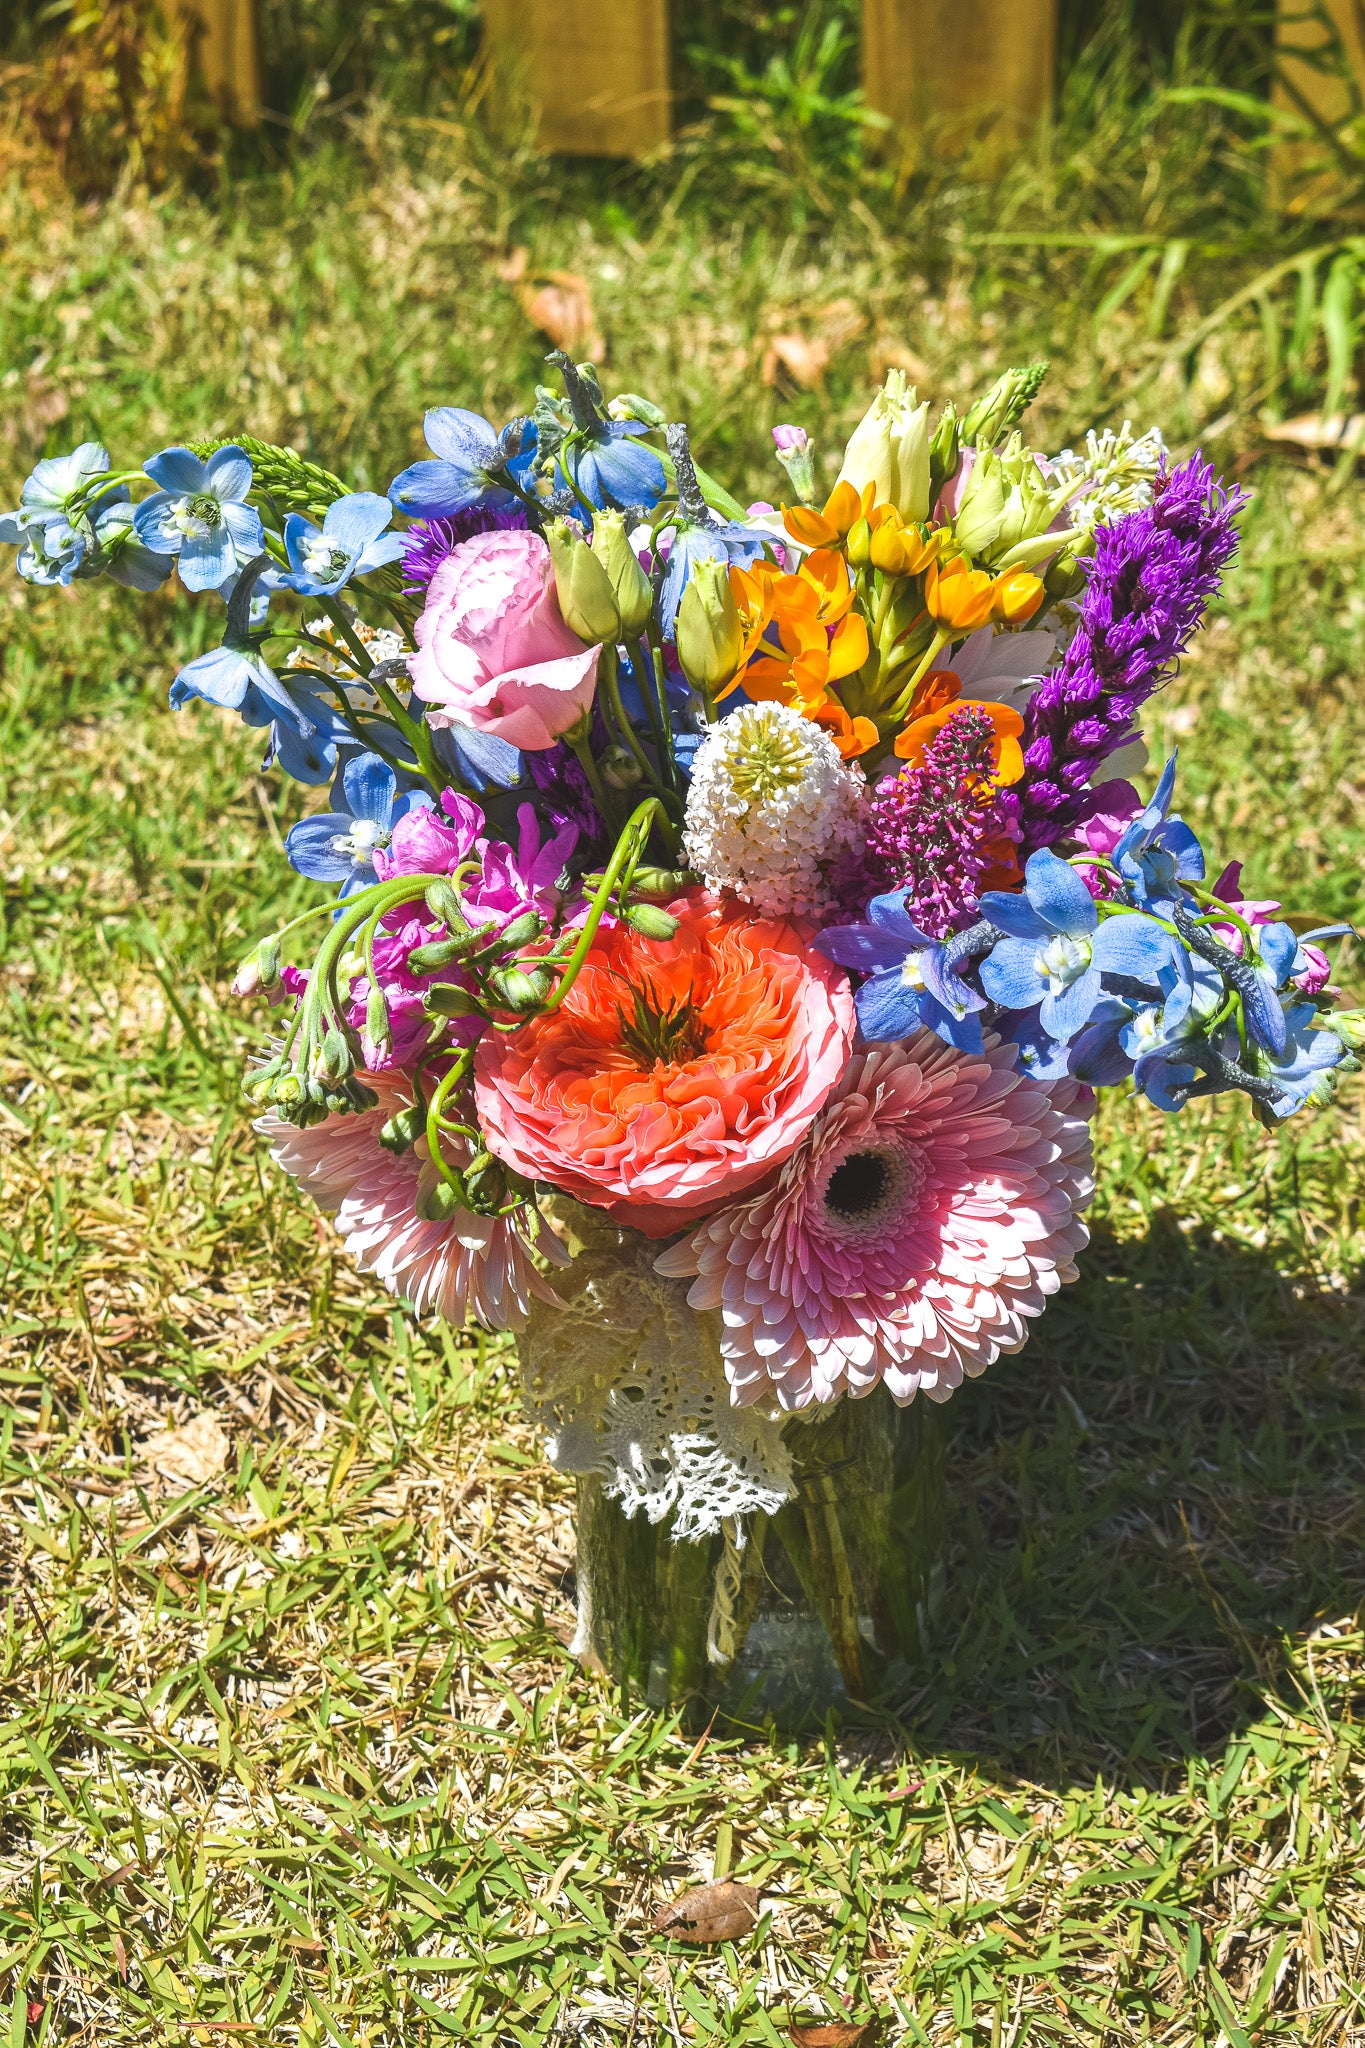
x=196, y=1451
x=804, y=359
x=894, y=355
x=562, y=308
x=1312, y=430
x=836, y=2034
x=709, y=1913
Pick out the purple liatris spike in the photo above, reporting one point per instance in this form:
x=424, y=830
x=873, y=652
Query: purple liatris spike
x=943, y=832
x=1150, y=577
x=427, y=542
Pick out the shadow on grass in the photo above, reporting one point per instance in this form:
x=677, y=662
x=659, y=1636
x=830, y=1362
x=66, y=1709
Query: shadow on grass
x=1163, y=1488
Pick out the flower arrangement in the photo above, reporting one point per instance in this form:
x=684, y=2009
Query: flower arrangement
x=763, y=883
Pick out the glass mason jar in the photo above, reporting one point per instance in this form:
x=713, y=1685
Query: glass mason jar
x=815, y=1601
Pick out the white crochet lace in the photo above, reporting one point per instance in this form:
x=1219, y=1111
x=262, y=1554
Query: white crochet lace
x=627, y=1382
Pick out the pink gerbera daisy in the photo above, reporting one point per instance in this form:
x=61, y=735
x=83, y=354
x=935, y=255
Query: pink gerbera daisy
x=930, y=1210
x=464, y=1265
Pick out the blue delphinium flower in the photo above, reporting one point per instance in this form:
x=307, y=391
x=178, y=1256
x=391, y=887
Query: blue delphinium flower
x=58, y=482
x=472, y=466
x=339, y=845
x=716, y=541
x=1157, y=852
x=306, y=741
x=51, y=553
x=611, y=468
x=1300, y=1073
x=906, y=986
x=119, y=552
x=240, y=679
x=200, y=514
x=350, y=542
x=1056, y=949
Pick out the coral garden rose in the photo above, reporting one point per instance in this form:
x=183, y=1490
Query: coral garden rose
x=493, y=650
x=675, y=1073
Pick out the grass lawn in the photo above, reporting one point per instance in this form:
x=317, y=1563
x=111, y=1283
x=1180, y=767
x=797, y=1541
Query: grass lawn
x=295, y=1752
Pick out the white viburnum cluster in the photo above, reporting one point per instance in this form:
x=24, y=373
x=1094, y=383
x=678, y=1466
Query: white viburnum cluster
x=771, y=807
x=1113, y=475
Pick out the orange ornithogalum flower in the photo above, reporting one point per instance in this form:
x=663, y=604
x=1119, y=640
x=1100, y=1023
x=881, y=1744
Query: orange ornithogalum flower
x=958, y=599
x=828, y=529
x=1017, y=597
x=892, y=546
x=1009, y=727
x=806, y=637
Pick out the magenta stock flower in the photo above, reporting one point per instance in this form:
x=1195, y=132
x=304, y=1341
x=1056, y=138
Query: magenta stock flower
x=464, y=1265
x=929, y=1212
x=429, y=842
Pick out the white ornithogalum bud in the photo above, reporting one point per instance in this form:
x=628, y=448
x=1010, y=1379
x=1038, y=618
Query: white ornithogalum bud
x=771, y=809
x=889, y=449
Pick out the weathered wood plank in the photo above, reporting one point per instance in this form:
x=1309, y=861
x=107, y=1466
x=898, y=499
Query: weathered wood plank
x=960, y=71
x=226, y=53
x=597, y=77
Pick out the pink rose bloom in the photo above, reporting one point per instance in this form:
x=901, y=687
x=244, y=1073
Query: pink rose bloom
x=493, y=650
x=427, y=843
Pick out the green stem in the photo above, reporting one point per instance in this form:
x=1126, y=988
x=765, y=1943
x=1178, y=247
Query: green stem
x=609, y=678
x=931, y=654
x=624, y=860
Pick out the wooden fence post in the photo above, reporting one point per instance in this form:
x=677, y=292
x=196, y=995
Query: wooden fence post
x=225, y=52
x=1308, y=86
x=960, y=71
x=595, y=73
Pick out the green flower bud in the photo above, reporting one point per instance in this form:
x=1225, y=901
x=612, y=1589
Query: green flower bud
x=649, y=921
x=1064, y=577
x=710, y=639
x=521, y=931
x=485, y=1184
x=437, y=953
x=1003, y=406
x=514, y=988
x=333, y=1061
x=1347, y=1025
x=662, y=882
x=587, y=602
x=445, y=1000
x=629, y=583
x=619, y=768
x=439, y=1203
x=628, y=405
x=981, y=507
x=403, y=1129
x=945, y=452
x=378, y=1030
x=445, y=905
x=287, y=1091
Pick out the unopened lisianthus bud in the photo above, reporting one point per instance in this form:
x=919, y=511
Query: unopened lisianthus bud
x=587, y=602
x=889, y=449
x=709, y=637
x=629, y=583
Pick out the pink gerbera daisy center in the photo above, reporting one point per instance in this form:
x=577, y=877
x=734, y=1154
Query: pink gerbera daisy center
x=859, y=1192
